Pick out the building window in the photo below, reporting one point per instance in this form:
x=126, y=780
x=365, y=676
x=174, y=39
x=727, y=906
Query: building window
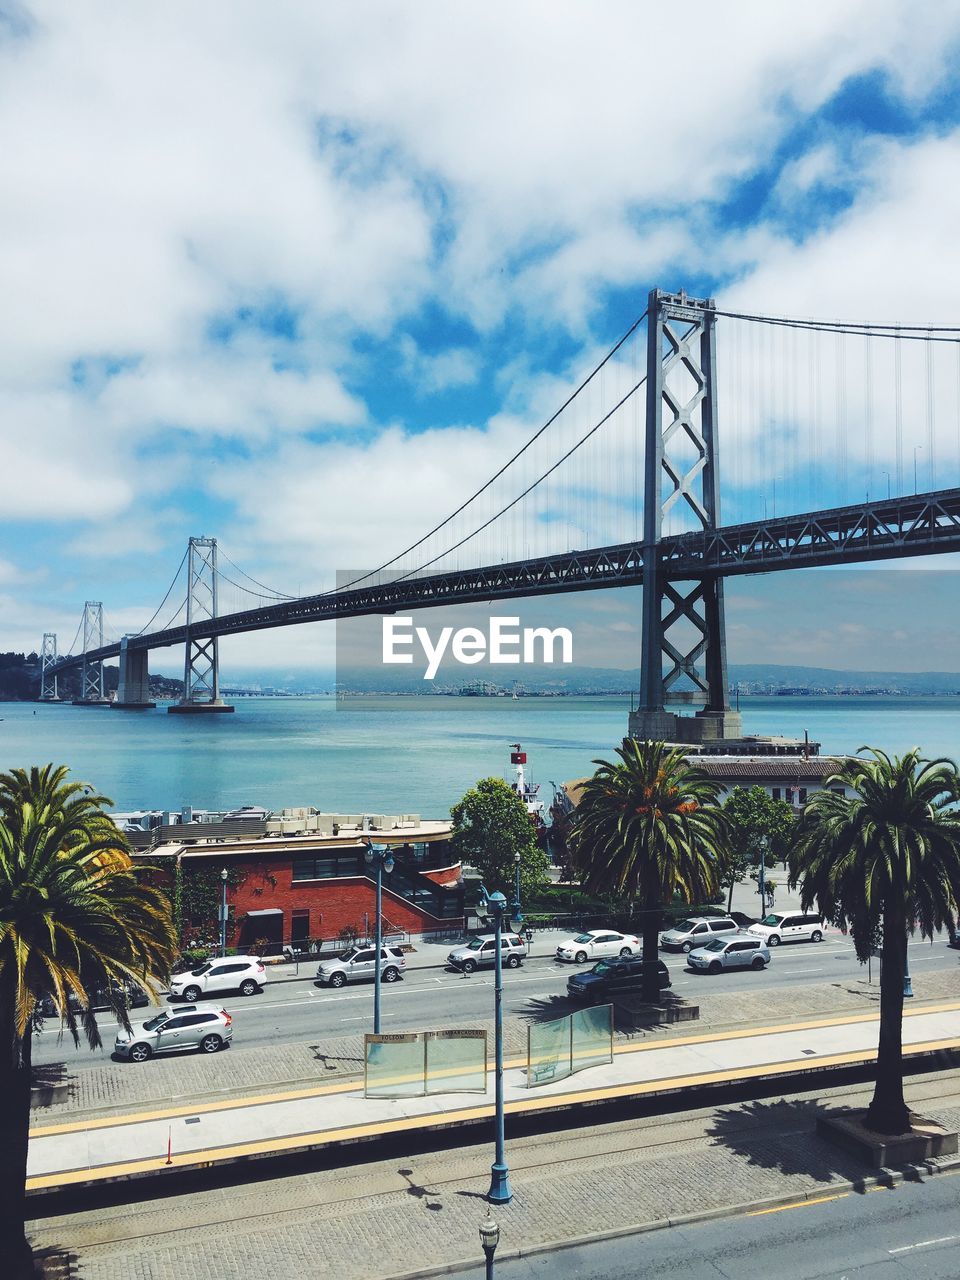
x=802, y=795
x=328, y=866
x=775, y=792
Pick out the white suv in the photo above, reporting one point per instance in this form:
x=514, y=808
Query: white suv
x=232, y=973
x=781, y=927
x=697, y=932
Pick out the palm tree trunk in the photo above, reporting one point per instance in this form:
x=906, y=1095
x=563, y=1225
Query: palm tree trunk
x=15, y=1077
x=651, y=950
x=888, y=1112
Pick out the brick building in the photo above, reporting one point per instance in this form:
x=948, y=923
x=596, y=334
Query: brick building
x=287, y=889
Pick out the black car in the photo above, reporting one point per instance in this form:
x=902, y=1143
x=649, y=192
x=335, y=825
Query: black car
x=134, y=995
x=615, y=977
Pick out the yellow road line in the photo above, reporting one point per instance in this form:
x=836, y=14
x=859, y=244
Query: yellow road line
x=349, y=1086
x=204, y=1158
x=797, y=1204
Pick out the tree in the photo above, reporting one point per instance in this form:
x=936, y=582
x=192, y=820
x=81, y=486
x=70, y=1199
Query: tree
x=883, y=860
x=74, y=916
x=647, y=828
x=759, y=828
x=490, y=826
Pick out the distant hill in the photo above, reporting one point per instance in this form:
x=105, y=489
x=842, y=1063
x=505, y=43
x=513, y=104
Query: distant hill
x=766, y=678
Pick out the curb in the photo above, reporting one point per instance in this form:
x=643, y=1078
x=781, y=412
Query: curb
x=885, y=1178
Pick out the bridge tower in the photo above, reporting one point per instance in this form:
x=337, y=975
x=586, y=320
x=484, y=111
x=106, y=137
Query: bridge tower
x=133, y=688
x=91, y=681
x=48, y=658
x=201, y=669
x=684, y=656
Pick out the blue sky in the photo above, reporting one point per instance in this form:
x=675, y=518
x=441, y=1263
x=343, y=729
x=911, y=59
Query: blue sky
x=300, y=277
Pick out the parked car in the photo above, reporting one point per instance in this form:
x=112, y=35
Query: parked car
x=696, y=931
x=245, y=974
x=132, y=994
x=782, y=927
x=482, y=951
x=206, y=1027
x=609, y=978
x=596, y=943
x=356, y=965
x=729, y=953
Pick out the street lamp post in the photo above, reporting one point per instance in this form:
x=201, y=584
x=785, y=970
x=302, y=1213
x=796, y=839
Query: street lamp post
x=489, y=1238
x=382, y=859
x=516, y=877
x=496, y=906
x=223, y=911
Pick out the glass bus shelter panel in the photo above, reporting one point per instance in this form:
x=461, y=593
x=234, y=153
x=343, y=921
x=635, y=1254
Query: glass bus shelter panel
x=393, y=1066
x=591, y=1037
x=456, y=1061
x=548, y=1051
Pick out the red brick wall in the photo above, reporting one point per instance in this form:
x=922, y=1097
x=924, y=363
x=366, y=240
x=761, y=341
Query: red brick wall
x=333, y=904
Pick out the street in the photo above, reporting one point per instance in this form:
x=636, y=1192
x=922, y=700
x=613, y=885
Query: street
x=299, y=1011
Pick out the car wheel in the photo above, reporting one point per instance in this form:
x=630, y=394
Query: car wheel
x=210, y=1044
x=140, y=1053
x=469, y=966
x=513, y=962
x=624, y=951
x=337, y=980
x=687, y=948
x=773, y=941
x=757, y=963
x=191, y=994
x=716, y=966
x=248, y=988
x=391, y=974
x=580, y=957
x=816, y=936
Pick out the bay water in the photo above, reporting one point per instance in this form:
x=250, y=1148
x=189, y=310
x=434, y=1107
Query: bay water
x=400, y=754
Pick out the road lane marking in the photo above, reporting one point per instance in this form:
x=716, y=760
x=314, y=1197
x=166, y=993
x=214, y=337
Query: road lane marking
x=923, y=1244
x=797, y=1204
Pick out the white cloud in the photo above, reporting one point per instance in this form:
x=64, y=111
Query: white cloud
x=359, y=167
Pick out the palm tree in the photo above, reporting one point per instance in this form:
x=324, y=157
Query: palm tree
x=73, y=916
x=647, y=828
x=880, y=861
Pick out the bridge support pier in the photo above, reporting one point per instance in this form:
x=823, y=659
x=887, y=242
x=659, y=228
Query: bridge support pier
x=201, y=671
x=684, y=656
x=133, y=691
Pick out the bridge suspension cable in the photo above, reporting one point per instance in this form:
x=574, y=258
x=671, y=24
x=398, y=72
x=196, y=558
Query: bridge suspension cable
x=496, y=476
x=166, y=597
x=271, y=592
x=907, y=332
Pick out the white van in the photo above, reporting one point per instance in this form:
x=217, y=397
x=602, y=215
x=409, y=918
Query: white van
x=782, y=927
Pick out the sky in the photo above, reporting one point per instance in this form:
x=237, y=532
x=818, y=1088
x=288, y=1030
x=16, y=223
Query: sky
x=300, y=277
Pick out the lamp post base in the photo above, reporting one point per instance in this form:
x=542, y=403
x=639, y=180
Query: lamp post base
x=907, y=985
x=499, y=1192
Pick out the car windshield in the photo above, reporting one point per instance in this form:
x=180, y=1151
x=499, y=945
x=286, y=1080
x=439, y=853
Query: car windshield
x=475, y=945
x=771, y=920
x=158, y=1021
x=348, y=954
x=196, y=973
x=583, y=937
x=685, y=926
x=716, y=945
x=601, y=967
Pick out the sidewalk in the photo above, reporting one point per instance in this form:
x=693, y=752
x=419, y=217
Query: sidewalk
x=418, y=1215
x=85, y=1151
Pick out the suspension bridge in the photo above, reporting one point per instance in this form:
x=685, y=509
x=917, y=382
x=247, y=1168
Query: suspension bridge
x=846, y=427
